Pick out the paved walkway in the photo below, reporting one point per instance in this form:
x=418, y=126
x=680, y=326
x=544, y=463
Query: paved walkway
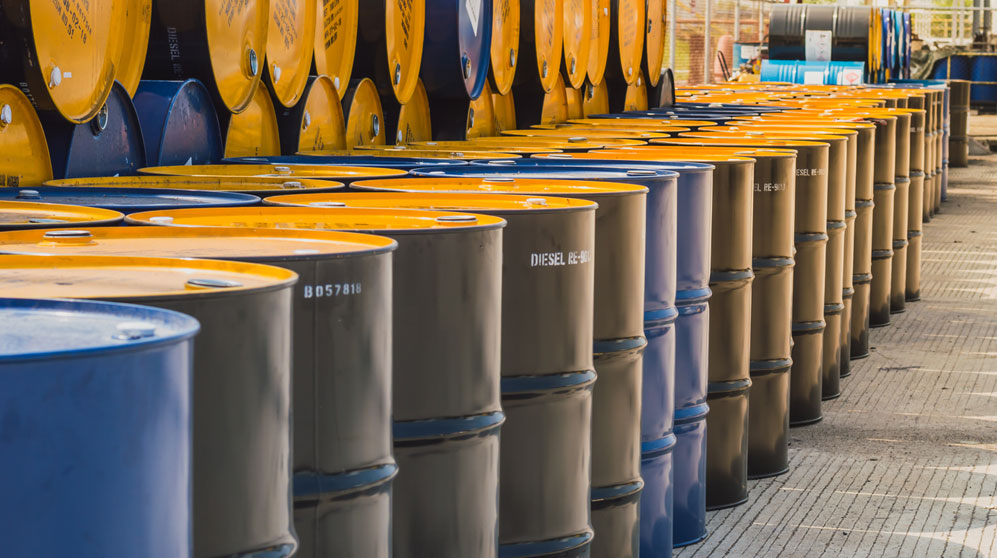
x=905, y=462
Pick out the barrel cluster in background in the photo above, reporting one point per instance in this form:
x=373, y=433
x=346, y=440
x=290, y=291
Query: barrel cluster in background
x=356, y=279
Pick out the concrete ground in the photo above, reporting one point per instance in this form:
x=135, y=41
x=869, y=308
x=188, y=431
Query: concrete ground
x=905, y=462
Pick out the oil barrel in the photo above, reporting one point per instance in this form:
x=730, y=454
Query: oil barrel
x=593, y=134
x=600, y=41
x=637, y=120
x=276, y=173
x=315, y=123
x=37, y=33
x=498, y=150
x=110, y=143
x=636, y=96
x=290, y=48
x=19, y=215
x=341, y=387
x=541, y=42
x=260, y=187
x=536, y=106
x=127, y=200
x=653, y=61
x=178, y=122
x=252, y=132
x=862, y=278
x=105, y=388
x=241, y=380
x=546, y=395
x=481, y=116
x=446, y=406
x=577, y=41
x=220, y=43
x=959, y=117
x=460, y=34
x=504, y=48
x=24, y=157
x=578, y=144
x=364, y=115
x=455, y=120
x=576, y=103
x=359, y=159
x=504, y=111
x=404, y=36
x=618, y=334
x=595, y=99
x=130, y=59
x=882, y=253
x=409, y=122
x=898, y=274
x=438, y=154
x=912, y=289
x=336, y=28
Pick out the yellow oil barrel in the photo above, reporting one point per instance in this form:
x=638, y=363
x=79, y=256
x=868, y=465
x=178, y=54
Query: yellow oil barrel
x=364, y=115
x=290, y=48
x=27, y=215
x=576, y=105
x=542, y=38
x=505, y=45
x=414, y=122
x=628, y=26
x=481, y=120
x=504, y=111
x=316, y=123
x=653, y=61
x=135, y=43
x=253, y=132
x=257, y=186
x=472, y=147
x=577, y=41
x=650, y=124
x=279, y=172
x=405, y=24
x=588, y=133
x=636, y=98
x=555, y=104
x=599, y=42
x=24, y=157
x=407, y=152
x=336, y=41
x=596, y=100
x=569, y=144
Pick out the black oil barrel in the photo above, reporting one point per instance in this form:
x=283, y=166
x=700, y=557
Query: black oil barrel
x=179, y=123
x=882, y=254
x=850, y=28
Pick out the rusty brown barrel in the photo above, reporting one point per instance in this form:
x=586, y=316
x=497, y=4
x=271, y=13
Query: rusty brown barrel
x=898, y=273
x=959, y=123
x=912, y=289
x=882, y=254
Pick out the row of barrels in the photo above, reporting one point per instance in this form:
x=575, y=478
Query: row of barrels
x=595, y=337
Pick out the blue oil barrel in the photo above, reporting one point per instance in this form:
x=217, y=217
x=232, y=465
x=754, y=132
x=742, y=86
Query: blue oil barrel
x=399, y=163
x=179, y=123
x=109, y=144
x=456, y=48
x=953, y=67
x=128, y=200
x=97, y=411
x=984, y=68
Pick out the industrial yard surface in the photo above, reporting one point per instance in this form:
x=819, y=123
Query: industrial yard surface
x=905, y=462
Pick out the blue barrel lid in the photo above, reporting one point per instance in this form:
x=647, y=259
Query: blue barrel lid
x=589, y=169
x=179, y=123
x=47, y=329
x=456, y=50
x=128, y=200
x=400, y=163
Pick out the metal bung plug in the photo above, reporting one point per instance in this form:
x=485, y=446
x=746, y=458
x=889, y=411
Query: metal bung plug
x=536, y=201
x=559, y=156
x=207, y=283
x=131, y=331
x=573, y=64
x=306, y=251
x=456, y=219
x=55, y=77
x=28, y=195
x=399, y=137
x=465, y=62
x=499, y=179
x=282, y=169
x=327, y=204
x=292, y=184
x=335, y=83
x=502, y=162
x=398, y=73
x=68, y=234
x=577, y=139
x=43, y=221
x=161, y=219
x=543, y=71
x=254, y=62
x=375, y=126
x=6, y=115
x=470, y=118
x=256, y=159
x=99, y=123
x=640, y=173
x=306, y=120
x=276, y=73
x=512, y=57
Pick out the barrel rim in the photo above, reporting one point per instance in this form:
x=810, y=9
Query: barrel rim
x=492, y=204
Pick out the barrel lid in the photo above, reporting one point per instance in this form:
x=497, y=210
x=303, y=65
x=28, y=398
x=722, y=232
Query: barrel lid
x=237, y=40
x=577, y=35
x=85, y=51
x=405, y=151
x=505, y=184
x=631, y=24
x=133, y=278
x=631, y=123
x=505, y=44
x=446, y=201
x=336, y=41
x=253, y=132
x=194, y=242
x=364, y=114
x=654, y=42
x=130, y=60
x=471, y=146
x=33, y=329
x=771, y=134
x=29, y=215
x=576, y=104
x=504, y=111
x=636, y=97
x=125, y=199
x=591, y=133
x=582, y=169
x=290, y=45
x=273, y=171
x=555, y=104
x=595, y=99
x=690, y=155
x=803, y=119
x=599, y=43
x=24, y=156
x=719, y=150
x=405, y=23
x=728, y=139
x=214, y=184
x=562, y=143
x=480, y=116
x=386, y=159
x=413, y=118
x=385, y=221
x=548, y=26
x=322, y=124
x=764, y=129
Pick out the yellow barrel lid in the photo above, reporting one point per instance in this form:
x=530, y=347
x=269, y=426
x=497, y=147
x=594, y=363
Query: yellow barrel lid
x=636, y=98
x=447, y=201
x=237, y=40
x=554, y=142
x=691, y=155
x=253, y=132
x=414, y=123
x=405, y=23
x=24, y=157
x=788, y=127
x=478, y=154
x=694, y=150
x=555, y=106
x=28, y=215
x=599, y=43
x=732, y=139
x=322, y=123
x=481, y=116
x=130, y=60
x=471, y=146
x=591, y=133
x=283, y=172
x=116, y=277
x=290, y=46
x=387, y=221
x=503, y=185
x=577, y=38
x=654, y=43
x=766, y=133
x=548, y=36
x=251, y=185
x=336, y=41
x=641, y=123
x=86, y=50
x=505, y=44
x=576, y=106
x=596, y=99
x=807, y=120
x=504, y=111
x=631, y=32
x=193, y=242
x=364, y=115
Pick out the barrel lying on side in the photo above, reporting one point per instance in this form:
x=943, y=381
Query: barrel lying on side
x=179, y=123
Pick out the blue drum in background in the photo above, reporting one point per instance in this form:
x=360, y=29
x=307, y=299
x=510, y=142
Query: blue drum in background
x=456, y=49
x=179, y=123
x=128, y=200
x=97, y=429
x=984, y=68
x=957, y=66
